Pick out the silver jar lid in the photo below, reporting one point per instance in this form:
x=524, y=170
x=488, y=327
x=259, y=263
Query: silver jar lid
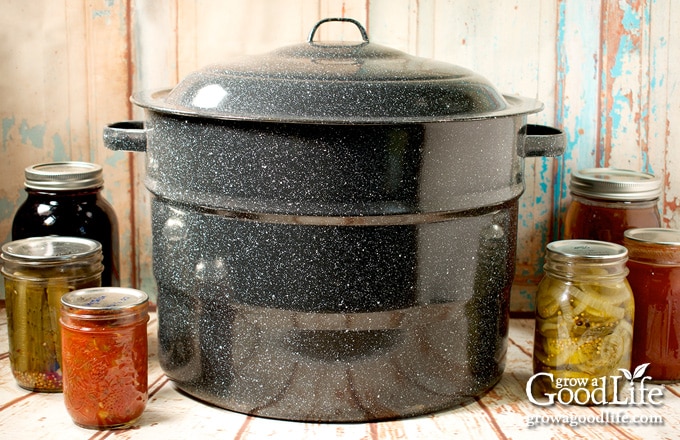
x=52, y=249
x=64, y=176
x=586, y=251
x=661, y=236
x=105, y=298
x=615, y=184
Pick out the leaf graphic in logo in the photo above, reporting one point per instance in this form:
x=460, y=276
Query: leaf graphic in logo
x=639, y=371
x=627, y=374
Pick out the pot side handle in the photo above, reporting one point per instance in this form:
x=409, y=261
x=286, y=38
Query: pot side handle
x=542, y=140
x=125, y=135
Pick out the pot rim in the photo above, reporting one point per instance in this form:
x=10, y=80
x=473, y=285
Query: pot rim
x=155, y=100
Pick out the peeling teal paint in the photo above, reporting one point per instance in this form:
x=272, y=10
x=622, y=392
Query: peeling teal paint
x=7, y=124
x=528, y=296
x=562, y=66
x=626, y=46
x=631, y=20
x=577, y=109
x=115, y=159
x=7, y=208
x=60, y=152
x=101, y=13
x=106, y=13
x=619, y=126
x=35, y=135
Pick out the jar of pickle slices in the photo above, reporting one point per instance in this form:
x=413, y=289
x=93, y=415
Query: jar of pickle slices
x=584, y=320
x=37, y=272
x=607, y=201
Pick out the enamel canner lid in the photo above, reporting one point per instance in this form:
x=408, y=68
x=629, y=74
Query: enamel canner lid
x=336, y=82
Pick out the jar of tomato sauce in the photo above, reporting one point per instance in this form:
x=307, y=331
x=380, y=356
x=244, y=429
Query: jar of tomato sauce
x=607, y=201
x=105, y=356
x=654, y=266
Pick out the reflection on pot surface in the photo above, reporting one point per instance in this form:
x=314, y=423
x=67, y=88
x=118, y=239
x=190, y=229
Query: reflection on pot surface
x=383, y=322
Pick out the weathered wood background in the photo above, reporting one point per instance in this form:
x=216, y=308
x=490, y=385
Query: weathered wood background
x=608, y=73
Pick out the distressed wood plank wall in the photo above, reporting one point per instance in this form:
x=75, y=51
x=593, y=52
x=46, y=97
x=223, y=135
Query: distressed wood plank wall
x=606, y=71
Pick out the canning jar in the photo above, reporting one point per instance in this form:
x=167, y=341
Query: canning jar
x=607, y=201
x=654, y=263
x=104, y=346
x=64, y=198
x=37, y=272
x=584, y=320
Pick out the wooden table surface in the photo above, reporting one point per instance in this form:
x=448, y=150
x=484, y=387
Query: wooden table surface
x=504, y=412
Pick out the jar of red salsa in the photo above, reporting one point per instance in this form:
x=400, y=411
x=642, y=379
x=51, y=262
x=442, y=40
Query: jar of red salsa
x=654, y=276
x=105, y=356
x=607, y=201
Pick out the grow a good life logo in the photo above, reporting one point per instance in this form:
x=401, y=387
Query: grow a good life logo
x=604, y=390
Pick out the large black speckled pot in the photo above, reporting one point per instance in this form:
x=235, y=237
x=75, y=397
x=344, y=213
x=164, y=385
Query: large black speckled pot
x=334, y=230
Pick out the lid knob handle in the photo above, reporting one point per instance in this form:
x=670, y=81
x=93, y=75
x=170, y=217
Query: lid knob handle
x=364, y=35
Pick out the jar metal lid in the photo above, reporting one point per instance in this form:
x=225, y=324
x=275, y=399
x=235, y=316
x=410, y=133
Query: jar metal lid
x=104, y=298
x=587, y=250
x=660, y=236
x=63, y=176
x=615, y=184
x=51, y=249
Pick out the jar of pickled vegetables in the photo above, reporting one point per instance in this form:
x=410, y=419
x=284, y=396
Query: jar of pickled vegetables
x=607, y=201
x=64, y=198
x=105, y=358
x=654, y=264
x=584, y=320
x=37, y=272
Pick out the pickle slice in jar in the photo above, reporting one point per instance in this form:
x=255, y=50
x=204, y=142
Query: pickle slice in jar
x=25, y=311
x=551, y=293
x=556, y=351
x=591, y=344
x=33, y=329
x=612, y=349
x=56, y=288
x=17, y=319
x=615, y=293
x=590, y=302
x=547, y=328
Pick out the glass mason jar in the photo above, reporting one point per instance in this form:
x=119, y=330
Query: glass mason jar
x=64, y=198
x=37, y=272
x=584, y=320
x=654, y=264
x=607, y=201
x=105, y=357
